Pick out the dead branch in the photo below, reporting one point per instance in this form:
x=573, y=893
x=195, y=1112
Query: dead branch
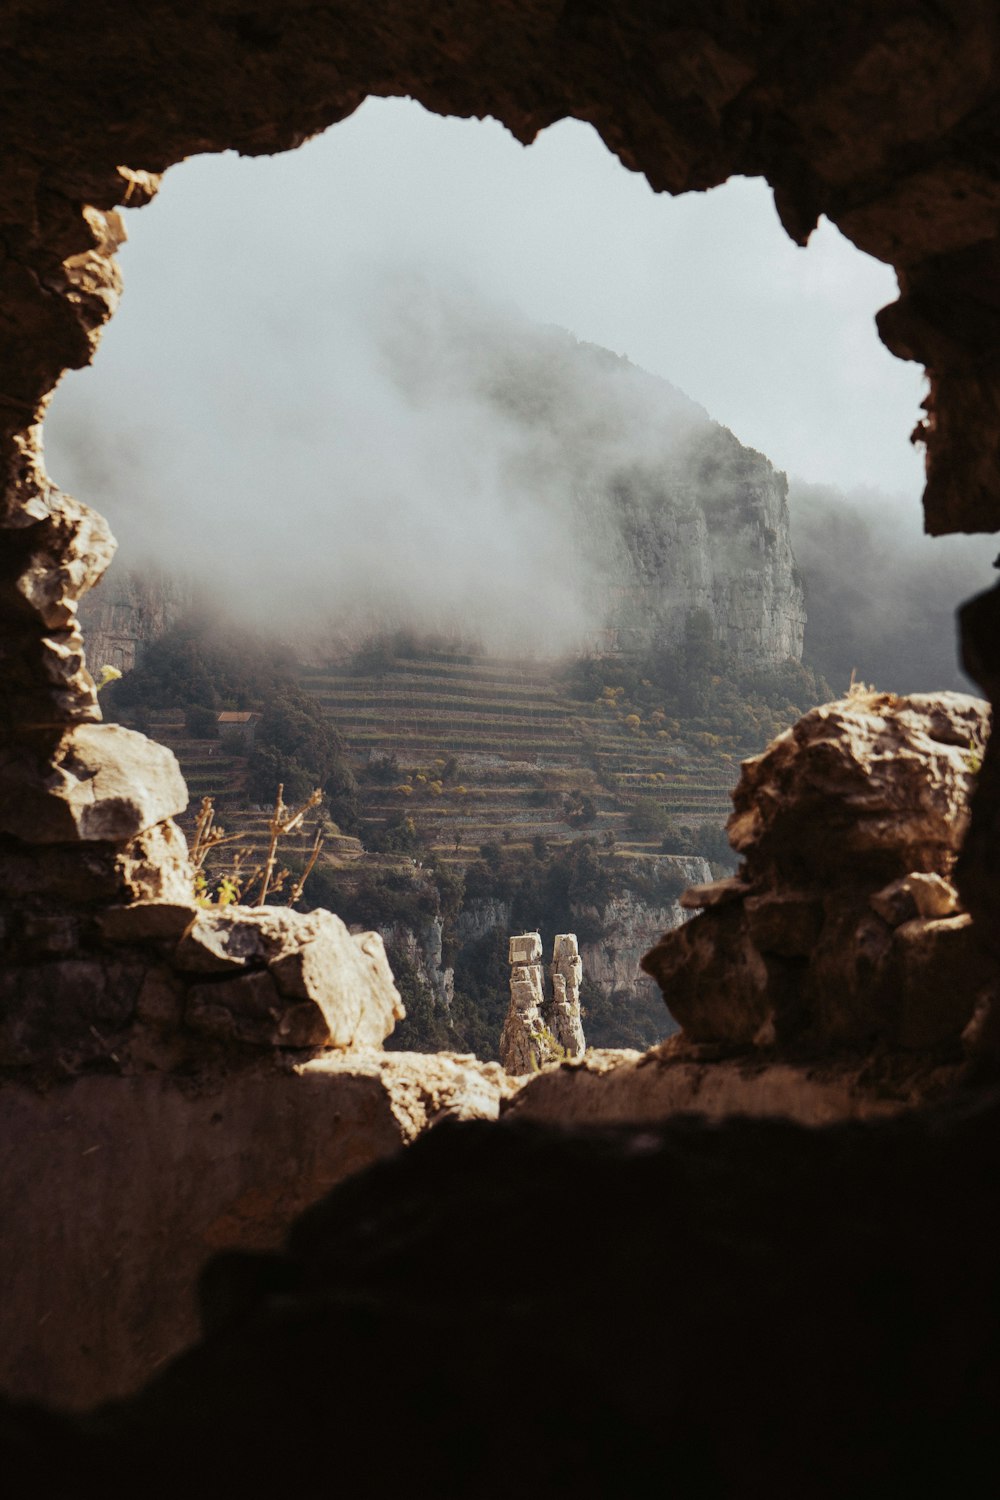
x=313, y=857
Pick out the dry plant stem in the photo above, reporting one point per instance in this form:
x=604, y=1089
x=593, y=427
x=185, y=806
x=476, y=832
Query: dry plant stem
x=200, y=846
x=206, y=837
x=272, y=848
x=300, y=883
x=281, y=824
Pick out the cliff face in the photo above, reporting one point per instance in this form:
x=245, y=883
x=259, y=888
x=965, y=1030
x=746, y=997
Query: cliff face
x=125, y=611
x=707, y=529
x=612, y=960
x=651, y=508
x=622, y=1005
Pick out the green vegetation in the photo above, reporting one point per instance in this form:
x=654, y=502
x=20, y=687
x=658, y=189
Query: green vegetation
x=695, y=695
x=202, y=669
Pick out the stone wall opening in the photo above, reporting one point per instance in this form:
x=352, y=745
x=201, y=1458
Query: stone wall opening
x=886, y=123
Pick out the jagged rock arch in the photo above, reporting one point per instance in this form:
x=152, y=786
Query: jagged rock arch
x=886, y=119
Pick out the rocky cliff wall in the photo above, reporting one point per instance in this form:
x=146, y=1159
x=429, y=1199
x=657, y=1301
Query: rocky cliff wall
x=627, y=921
x=706, y=528
x=654, y=509
x=127, y=610
x=622, y=1004
x=664, y=511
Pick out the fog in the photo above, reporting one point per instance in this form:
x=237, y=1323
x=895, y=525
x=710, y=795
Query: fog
x=445, y=472
x=880, y=595
x=297, y=404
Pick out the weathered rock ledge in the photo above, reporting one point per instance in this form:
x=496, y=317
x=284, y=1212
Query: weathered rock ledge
x=607, y=1087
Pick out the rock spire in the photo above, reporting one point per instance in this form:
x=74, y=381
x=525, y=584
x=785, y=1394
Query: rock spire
x=537, y=1031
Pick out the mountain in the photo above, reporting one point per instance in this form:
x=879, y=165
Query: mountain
x=545, y=496
x=657, y=509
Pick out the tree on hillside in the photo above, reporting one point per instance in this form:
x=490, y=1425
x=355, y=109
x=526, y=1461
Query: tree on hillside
x=648, y=817
x=579, y=810
x=200, y=666
x=295, y=746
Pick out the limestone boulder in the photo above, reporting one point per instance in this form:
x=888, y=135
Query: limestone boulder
x=714, y=980
x=250, y=1008
x=871, y=787
x=524, y=948
x=784, y=923
x=73, y=549
x=836, y=929
x=324, y=985
x=348, y=976
x=941, y=974
x=155, y=866
x=90, y=783
x=148, y=921
x=915, y=896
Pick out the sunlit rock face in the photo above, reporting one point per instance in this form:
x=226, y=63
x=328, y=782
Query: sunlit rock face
x=842, y=927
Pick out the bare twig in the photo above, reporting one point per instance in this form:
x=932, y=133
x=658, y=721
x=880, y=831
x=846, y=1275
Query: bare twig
x=313, y=857
x=208, y=836
x=274, y=828
x=200, y=846
x=282, y=821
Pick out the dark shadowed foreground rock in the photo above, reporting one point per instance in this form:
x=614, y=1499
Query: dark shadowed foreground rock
x=744, y=1310
x=842, y=926
x=117, y=1190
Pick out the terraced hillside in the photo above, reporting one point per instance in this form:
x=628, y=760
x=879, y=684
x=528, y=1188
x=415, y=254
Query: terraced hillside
x=212, y=770
x=455, y=750
x=502, y=769
x=477, y=750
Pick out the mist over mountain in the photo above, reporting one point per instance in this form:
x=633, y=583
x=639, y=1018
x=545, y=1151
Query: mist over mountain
x=469, y=472
x=881, y=595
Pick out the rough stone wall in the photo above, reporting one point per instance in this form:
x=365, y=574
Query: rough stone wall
x=842, y=928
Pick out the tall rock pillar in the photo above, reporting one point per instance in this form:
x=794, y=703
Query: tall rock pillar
x=563, y=1012
x=522, y=1046
x=537, y=1030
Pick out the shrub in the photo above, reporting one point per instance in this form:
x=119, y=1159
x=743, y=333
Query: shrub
x=648, y=817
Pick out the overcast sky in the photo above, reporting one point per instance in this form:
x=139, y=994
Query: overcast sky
x=238, y=364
